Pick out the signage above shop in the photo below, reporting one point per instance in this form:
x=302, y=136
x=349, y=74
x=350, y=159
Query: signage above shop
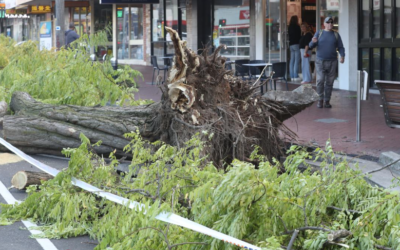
x=18, y=12
x=17, y=16
x=244, y=14
x=73, y=3
x=40, y=9
x=127, y=1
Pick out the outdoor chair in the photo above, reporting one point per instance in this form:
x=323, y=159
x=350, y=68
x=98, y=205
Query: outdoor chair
x=279, y=69
x=168, y=61
x=156, y=67
x=228, y=65
x=241, y=70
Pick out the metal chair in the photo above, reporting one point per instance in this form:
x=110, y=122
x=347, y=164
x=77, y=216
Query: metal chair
x=279, y=69
x=228, y=64
x=241, y=70
x=156, y=67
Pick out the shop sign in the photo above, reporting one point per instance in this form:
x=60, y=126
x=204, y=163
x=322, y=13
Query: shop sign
x=128, y=1
x=24, y=16
x=40, y=9
x=244, y=14
x=377, y=4
x=45, y=35
x=18, y=12
x=332, y=5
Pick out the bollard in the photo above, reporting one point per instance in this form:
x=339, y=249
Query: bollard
x=93, y=57
x=114, y=63
x=362, y=95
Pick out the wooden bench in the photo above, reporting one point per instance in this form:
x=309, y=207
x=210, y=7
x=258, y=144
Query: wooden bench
x=390, y=94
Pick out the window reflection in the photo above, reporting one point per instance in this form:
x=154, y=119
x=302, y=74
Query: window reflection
x=365, y=18
x=376, y=32
x=130, y=32
x=387, y=22
x=232, y=28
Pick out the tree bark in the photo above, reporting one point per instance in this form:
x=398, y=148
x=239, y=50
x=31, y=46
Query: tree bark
x=23, y=179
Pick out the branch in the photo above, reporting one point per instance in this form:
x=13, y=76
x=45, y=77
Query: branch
x=294, y=236
x=187, y=243
x=196, y=127
x=347, y=210
x=343, y=233
x=382, y=247
x=379, y=169
x=265, y=191
x=307, y=228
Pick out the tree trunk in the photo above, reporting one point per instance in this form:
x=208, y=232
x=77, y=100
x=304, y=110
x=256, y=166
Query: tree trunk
x=23, y=179
x=200, y=96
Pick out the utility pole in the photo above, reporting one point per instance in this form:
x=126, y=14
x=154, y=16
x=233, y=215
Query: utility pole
x=60, y=24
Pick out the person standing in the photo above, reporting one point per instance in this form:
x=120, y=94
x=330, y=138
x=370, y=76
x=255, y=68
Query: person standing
x=294, y=39
x=70, y=35
x=305, y=52
x=327, y=42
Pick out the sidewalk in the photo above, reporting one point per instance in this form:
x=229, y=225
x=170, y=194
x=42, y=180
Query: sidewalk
x=315, y=126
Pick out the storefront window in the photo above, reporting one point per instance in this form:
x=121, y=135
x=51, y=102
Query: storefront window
x=103, y=21
x=329, y=8
x=387, y=64
x=80, y=19
x=130, y=32
x=158, y=29
x=397, y=19
x=377, y=63
x=232, y=28
x=172, y=22
x=365, y=18
x=272, y=25
x=387, y=22
x=376, y=31
x=397, y=65
x=365, y=60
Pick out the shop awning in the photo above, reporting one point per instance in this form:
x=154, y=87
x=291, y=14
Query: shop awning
x=129, y=1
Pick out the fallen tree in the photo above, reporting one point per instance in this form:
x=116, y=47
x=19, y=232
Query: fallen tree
x=201, y=96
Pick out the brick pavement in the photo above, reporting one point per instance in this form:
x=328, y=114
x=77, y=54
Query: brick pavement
x=315, y=126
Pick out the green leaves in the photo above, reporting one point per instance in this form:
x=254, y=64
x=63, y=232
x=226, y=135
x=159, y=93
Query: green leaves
x=65, y=76
x=258, y=204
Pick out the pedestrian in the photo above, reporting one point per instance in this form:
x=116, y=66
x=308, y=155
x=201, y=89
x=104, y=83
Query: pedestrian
x=305, y=52
x=327, y=42
x=294, y=40
x=70, y=35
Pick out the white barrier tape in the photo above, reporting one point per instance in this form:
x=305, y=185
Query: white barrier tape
x=166, y=217
x=46, y=244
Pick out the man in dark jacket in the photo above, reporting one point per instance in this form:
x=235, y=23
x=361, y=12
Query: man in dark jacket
x=327, y=42
x=70, y=35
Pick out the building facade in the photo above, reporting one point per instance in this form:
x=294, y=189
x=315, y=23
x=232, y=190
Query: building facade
x=251, y=29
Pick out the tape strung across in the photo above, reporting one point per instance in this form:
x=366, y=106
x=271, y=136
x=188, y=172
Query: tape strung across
x=164, y=216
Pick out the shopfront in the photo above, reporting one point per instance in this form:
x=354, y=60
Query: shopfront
x=170, y=13
x=379, y=36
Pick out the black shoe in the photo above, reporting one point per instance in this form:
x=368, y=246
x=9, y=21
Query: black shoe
x=327, y=105
x=319, y=104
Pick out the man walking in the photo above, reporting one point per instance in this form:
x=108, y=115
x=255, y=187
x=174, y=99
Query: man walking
x=70, y=35
x=327, y=42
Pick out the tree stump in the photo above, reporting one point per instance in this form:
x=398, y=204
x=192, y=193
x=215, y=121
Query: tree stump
x=23, y=179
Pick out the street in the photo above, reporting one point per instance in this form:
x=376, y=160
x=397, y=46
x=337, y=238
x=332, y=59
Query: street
x=15, y=236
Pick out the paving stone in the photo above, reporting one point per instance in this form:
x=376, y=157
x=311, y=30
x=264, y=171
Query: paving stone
x=389, y=157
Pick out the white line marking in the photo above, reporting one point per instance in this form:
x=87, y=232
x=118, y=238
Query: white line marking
x=45, y=243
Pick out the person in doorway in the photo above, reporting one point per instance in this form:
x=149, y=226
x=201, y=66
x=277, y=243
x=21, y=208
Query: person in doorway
x=327, y=42
x=70, y=35
x=305, y=51
x=294, y=40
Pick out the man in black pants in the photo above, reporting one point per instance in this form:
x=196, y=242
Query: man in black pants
x=327, y=42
